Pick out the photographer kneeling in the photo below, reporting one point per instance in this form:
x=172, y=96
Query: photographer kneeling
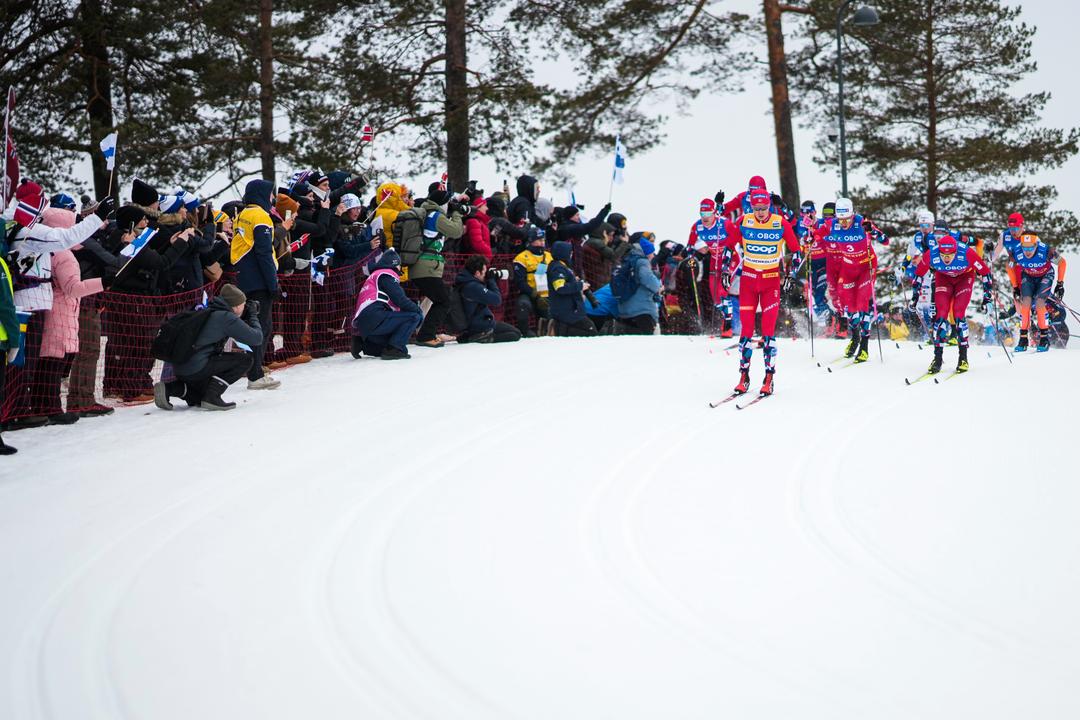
x=208, y=372
x=567, y=304
x=478, y=287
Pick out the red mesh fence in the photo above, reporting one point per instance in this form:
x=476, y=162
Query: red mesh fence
x=100, y=355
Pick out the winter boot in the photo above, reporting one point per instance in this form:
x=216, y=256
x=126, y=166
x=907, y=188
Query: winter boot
x=744, y=382
x=393, y=353
x=935, y=364
x=6, y=449
x=162, y=394
x=357, y=347
x=864, y=354
x=1044, y=340
x=212, y=397
x=64, y=418
x=266, y=382
x=962, y=365
x=766, y=387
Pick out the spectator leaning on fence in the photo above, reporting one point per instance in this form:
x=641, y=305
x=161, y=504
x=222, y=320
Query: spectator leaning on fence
x=478, y=287
x=253, y=259
x=440, y=221
x=209, y=371
x=639, y=313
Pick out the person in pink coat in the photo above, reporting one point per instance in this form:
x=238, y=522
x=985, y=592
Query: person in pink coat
x=477, y=240
x=60, y=337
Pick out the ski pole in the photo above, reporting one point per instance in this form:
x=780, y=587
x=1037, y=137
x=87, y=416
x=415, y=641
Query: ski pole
x=809, y=310
x=873, y=289
x=997, y=324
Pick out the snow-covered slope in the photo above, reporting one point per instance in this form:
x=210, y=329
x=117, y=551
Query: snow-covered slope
x=556, y=529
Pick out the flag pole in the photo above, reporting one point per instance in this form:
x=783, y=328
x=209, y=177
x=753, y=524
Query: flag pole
x=112, y=170
x=7, y=141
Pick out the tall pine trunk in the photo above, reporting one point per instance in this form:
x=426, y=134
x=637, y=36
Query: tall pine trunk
x=931, y=114
x=781, y=105
x=266, y=88
x=98, y=78
x=457, y=96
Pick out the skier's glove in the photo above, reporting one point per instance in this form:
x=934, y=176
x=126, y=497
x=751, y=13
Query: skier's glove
x=788, y=280
x=1059, y=290
x=718, y=198
x=725, y=280
x=1016, y=294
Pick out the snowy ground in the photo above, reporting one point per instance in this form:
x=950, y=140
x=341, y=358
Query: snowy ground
x=556, y=529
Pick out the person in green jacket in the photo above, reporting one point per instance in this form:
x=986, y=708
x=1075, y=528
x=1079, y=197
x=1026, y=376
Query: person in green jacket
x=9, y=335
x=442, y=220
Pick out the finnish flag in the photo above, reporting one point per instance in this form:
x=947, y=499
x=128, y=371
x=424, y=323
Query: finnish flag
x=620, y=162
x=132, y=249
x=108, y=148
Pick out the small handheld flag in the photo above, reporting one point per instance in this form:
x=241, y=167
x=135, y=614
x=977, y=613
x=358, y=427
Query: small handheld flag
x=133, y=248
x=108, y=148
x=367, y=134
x=620, y=162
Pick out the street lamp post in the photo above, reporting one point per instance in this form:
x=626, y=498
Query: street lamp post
x=864, y=17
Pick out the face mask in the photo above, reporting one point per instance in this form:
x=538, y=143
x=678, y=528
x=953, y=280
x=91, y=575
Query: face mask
x=538, y=251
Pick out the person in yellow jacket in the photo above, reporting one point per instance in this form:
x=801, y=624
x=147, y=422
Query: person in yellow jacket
x=898, y=329
x=9, y=334
x=530, y=280
x=392, y=198
x=252, y=254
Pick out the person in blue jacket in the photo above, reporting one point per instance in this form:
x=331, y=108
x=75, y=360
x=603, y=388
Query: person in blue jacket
x=566, y=304
x=639, y=314
x=385, y=318
x=602, y=308
x=478, y=288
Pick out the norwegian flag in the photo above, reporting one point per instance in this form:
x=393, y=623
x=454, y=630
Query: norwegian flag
x=367, y=134
x=11, y=157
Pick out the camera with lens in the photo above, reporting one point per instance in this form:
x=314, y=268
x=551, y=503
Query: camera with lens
x=498, y=274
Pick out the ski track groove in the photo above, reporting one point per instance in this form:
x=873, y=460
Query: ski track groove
x=41, y=709
x=806, y=679
x=436, y=469
x=913, y=597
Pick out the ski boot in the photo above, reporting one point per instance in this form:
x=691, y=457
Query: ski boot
x=962, y=365
x=766, y=387
x=1044, y=340
x=852, y=346
x=864, y=354
x=1022, y=343
x=744, y=383
x=935, y=364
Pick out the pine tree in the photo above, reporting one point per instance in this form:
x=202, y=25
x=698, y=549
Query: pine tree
x=932, y=118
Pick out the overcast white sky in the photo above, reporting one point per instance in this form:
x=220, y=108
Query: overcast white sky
x=663, y=186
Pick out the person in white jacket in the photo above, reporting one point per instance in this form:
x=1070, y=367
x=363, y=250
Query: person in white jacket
x=33, y=244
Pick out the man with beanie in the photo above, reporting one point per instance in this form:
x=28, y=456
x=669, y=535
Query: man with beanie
x=639, y=314
x=202, y=378
x=530, y=280
x=252, y=256
x=567, y=306
x=440, y=223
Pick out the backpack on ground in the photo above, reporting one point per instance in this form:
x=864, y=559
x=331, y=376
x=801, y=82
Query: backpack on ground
x=456, y=319
x=175, y=339
x=408, y=231
x=624, y=281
